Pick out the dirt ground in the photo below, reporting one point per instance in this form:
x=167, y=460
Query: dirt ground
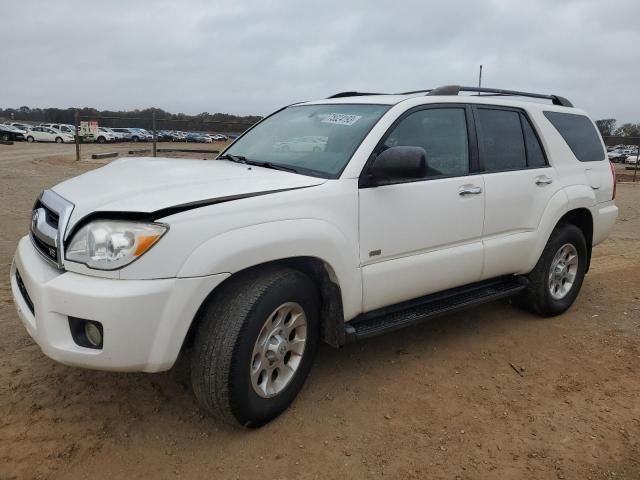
x=438, y=401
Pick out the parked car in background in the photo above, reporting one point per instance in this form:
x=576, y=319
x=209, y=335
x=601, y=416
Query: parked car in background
x=20, y=126
x=617, y=156
x=46, y=134
x=217, y=137
x=163, y=135
x=105, y=135
x=168, y=136
x=62, y=127
x=198, y=137
x=124, y=132
x=11, y=133
x=119, y=137
x=140, y=135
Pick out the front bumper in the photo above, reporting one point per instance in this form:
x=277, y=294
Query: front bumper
x=144, y=321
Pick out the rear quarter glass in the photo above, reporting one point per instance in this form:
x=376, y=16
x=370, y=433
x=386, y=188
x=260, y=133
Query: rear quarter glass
x=580, y=134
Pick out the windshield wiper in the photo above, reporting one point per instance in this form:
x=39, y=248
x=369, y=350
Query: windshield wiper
x=233, y=158
x=245, y=161
x=274, y=166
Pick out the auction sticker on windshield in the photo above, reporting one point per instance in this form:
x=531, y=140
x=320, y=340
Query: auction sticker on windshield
x=341, y=119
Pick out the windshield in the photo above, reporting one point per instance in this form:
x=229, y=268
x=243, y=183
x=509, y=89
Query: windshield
x=314, y=139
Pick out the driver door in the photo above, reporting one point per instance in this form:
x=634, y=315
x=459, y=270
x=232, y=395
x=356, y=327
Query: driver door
x=422, y=236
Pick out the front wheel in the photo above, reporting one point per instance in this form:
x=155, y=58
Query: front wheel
x=556, y=279
x=255, y=345
x=58, y=140
x=30, y=139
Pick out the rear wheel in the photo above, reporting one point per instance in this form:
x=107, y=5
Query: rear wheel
x=255, y=345
x=556, y=279
x=6, y=137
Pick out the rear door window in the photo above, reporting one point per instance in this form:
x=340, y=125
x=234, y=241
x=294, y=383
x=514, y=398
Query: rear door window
x=535, y=154
x=579, y=133
x=503, y=146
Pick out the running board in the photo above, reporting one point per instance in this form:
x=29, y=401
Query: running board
x=419, y=310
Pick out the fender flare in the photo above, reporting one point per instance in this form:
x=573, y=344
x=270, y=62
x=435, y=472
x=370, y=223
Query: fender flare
x=563, y=201
x=242, y=248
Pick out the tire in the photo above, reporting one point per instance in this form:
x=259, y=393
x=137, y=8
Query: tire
x=6, y=137
x=30, y=139
x=135, y=139
x=226, y=343
x=58, y=140
x=101, y=140
x=546, y=293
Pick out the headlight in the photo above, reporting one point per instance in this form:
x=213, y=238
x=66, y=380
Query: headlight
x=112, y=244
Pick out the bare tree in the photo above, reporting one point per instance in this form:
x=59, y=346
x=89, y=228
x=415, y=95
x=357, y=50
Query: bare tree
x=606, y=126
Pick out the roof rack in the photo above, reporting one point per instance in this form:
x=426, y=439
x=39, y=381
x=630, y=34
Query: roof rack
x=354, y=94
x=456, y=89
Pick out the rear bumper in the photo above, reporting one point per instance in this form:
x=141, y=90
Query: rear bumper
x=144, y=321
x=604, y=218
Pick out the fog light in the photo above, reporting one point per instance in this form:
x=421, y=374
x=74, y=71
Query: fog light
x=86, y=333
x=93, y=333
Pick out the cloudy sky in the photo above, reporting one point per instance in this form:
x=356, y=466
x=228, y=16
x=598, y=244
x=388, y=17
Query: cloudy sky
x=247, y=57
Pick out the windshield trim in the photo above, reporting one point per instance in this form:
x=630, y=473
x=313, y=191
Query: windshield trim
x=307, y=171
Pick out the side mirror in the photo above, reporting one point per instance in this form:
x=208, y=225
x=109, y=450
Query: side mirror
x=397, y=163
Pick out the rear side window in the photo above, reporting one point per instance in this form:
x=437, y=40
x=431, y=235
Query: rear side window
x=579, y=133
x=502, y=140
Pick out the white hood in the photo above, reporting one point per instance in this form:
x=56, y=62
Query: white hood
x=151, y=184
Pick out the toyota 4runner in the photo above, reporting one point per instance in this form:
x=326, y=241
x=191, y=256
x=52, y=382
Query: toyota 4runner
x=406, y=207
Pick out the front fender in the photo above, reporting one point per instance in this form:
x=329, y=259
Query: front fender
x=236, y=250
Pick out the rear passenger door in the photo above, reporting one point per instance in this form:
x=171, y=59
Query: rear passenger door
x=519, y=184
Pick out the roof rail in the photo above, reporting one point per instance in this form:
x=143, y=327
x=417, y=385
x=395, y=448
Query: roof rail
x=354, y=94
x=456, y=89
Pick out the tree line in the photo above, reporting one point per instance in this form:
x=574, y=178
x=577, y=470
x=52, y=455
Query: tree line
x=607, y=127
x=219, y=122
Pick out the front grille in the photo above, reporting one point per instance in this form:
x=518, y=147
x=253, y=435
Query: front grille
x=25, y=294
x=49, y=217
x=46, y=250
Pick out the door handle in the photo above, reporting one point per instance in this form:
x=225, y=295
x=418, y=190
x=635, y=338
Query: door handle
x=469, y=189
x=543, y=180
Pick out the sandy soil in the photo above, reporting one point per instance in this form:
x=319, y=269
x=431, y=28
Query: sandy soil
x=439, y=401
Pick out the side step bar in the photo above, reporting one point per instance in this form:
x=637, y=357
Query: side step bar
x=416, y=311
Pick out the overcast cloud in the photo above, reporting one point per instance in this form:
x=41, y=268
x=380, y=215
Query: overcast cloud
x=251, y=57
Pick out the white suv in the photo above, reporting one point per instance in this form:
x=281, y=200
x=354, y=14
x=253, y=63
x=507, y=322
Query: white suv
x=415, y=205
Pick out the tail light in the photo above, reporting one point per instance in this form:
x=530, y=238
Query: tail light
x=613, y=175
